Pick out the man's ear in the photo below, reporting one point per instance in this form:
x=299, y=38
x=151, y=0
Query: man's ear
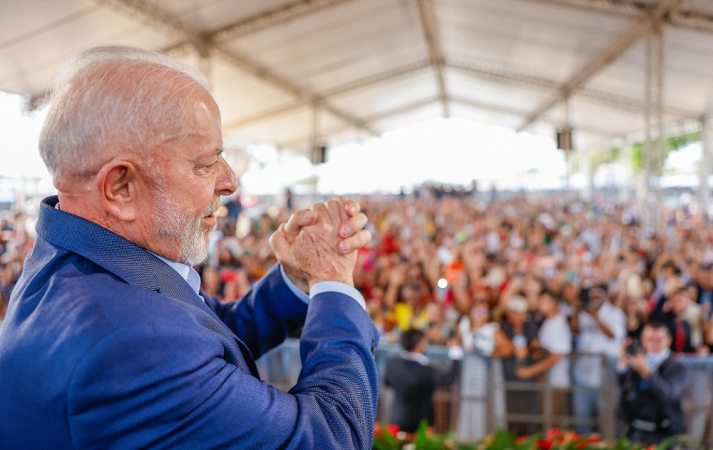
x=118, y=189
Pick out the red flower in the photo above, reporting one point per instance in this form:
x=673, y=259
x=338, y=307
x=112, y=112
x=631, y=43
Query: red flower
x=393, y=429
x=545, y=444
x=552, y=432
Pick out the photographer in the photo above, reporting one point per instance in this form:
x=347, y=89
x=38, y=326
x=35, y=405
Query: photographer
x=652, y=382
x=599, y=328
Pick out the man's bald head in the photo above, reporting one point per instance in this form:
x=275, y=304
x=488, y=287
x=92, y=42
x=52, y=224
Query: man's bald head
x=115, y=101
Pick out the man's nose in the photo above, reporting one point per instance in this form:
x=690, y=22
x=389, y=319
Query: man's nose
x=226, y=183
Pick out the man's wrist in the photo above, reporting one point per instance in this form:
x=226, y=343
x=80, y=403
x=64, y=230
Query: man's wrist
x=297, y=278
x=336, y=277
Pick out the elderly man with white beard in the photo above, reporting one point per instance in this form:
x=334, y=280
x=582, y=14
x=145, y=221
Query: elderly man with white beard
x=109, y=341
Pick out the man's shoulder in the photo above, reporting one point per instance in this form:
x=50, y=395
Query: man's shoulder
x=59, y=283
x=406, y=365
x=555, y=324
x=611, y=309
x=671, y=364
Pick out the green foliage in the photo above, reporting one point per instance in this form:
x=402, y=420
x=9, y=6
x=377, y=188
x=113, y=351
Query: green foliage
x=637, y=157
x=636, y=161
x=604, y=157
x=670, y=144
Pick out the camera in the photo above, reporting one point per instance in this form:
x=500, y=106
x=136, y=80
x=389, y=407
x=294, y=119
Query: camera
x=634, y=348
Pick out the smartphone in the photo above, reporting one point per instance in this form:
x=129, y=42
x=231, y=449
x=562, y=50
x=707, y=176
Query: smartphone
x=634, y=348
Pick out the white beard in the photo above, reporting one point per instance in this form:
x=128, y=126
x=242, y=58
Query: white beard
x=187, y=232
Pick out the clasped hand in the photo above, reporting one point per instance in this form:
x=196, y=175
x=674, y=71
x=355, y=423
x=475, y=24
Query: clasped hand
x=318, y=244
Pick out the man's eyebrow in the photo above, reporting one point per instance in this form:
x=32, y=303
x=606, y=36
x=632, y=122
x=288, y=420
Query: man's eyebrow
x=216, y=152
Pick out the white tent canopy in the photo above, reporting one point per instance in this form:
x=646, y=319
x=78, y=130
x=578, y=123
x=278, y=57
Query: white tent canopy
x=298, y=72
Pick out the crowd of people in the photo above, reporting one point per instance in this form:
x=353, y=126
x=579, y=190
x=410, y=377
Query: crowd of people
x=527, y=281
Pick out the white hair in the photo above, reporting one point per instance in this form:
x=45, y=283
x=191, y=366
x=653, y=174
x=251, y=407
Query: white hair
x=113, y=100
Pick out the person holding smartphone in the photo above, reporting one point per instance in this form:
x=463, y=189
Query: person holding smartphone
x=651, y=385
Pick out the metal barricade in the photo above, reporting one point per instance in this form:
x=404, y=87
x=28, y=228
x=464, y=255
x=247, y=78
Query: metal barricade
x=480, y=401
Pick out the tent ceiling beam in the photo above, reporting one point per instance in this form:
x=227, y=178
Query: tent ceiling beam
x=265, y=74
x=520, y=113
x=633, y=10
x=620, y=45
x=153, y=15
x=683, y=18
x=371, y=80
x=263, y=21
x=509, y=77
x=692, y=20
x=429, y=27
x=503, y=75
x=274, y=17
x=399, y=110
x=338, y=90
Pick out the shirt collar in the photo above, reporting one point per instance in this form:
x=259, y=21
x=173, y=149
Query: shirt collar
x=418, y=357
x=655, y=359
x=185, y=271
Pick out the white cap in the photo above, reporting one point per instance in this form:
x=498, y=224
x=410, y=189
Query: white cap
x=517, y=304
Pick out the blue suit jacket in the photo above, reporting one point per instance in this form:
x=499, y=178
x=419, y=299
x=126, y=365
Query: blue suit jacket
x=105, y=345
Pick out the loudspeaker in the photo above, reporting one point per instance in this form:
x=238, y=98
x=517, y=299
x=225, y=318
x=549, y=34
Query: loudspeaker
x=319, y=154
x=564, y=138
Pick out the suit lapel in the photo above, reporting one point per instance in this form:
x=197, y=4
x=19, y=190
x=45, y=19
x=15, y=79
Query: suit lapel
x=136, y=266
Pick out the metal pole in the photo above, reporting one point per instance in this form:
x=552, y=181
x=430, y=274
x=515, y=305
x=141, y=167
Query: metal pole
x=585, y=167
x=659, y=80
x=547, y=406
x=705, y=166
x=205, y=64
x=315, y=148
x=645, y=207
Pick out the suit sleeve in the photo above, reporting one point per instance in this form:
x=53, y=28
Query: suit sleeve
x=668, y=384
x=445, y=378
x=166, y=385
x=265, y=316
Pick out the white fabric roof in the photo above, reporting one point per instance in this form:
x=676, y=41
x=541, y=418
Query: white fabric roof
x=295, y=71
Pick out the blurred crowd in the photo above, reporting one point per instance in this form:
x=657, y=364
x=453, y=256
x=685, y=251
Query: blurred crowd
x=456, y=265
x=15, y=243
x=529, y=281
x=452, y=265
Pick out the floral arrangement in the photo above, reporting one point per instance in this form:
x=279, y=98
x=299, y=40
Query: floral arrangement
x=389, y=437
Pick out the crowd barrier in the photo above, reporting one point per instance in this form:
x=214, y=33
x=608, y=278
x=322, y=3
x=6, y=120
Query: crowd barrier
x=477, y=404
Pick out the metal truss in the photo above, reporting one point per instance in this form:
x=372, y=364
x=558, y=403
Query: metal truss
x=694, y=20
x=509, y=77
x=206, y=47
x=429, y=27
x=332, y=92
x=620, y=45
